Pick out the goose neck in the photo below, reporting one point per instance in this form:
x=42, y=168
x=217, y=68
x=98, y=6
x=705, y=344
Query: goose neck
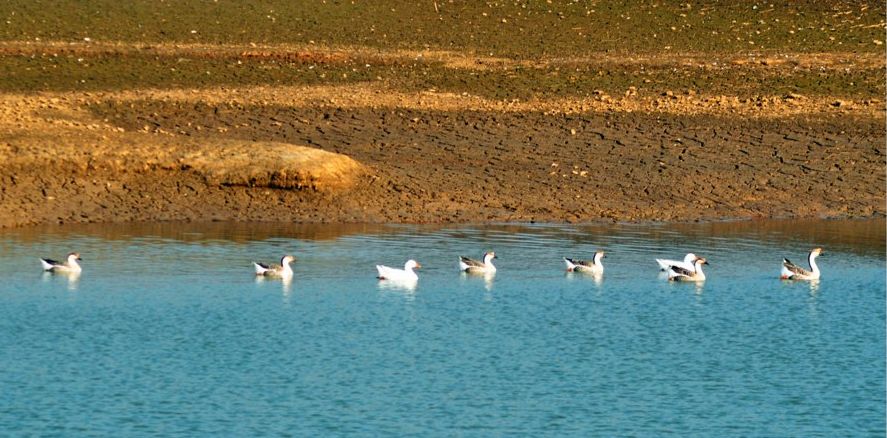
x=812, y=260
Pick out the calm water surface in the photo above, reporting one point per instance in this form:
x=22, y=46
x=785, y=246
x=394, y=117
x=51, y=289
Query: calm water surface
x=167, y=332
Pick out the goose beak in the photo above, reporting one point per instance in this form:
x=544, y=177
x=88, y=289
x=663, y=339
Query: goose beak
x=418, y=265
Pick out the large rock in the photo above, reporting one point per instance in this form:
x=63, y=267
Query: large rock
x=276, y=165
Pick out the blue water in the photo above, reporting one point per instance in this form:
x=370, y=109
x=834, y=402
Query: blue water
x=167, y=332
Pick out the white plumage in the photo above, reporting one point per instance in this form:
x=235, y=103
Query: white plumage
x=472, y=266
x=69, y=265
x=791, y=271
x=283, y=270
x=594, y=266
x=677, y=273
x=687, y=263
x=402, y=275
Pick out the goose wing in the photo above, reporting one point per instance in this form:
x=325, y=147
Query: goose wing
x=261, y=268
x=665, y=264
x=570, y=265
x=677, y=270
x=49, y=264
x=386, y=272
x=793, y=268
x=471, y=262
x=586, y=263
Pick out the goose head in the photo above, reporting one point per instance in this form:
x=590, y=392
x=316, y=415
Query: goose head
x=287, y=259
x=690, y=257
x=598, y=256
x=411, y=264
x=74, y=257
x=489, y=256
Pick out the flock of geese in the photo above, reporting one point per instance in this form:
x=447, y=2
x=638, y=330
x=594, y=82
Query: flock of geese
x=688, y=269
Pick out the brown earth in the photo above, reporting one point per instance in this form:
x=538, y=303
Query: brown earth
x=374, y=152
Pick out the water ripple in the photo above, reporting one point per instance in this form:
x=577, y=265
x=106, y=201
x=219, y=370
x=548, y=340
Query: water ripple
x=167, y=332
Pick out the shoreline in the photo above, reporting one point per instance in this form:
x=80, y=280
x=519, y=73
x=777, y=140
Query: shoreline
x=866, y=234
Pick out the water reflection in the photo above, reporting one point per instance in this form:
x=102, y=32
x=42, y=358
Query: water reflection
x=487, y=277
x=70, y=278
x=201, y=231
x=858, y=236
x=285, y=283
x=813, y=301
x=814, y=287
x=699, y=286
x=596, y=278
x=408, y=286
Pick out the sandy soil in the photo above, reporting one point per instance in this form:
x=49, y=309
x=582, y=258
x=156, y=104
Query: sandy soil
x=241, y=155
x=392, y=150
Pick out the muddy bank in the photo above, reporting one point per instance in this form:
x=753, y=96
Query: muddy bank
x=121, y=159
x=66, y=194
x=484, y=166
x=140, y=130
x=59, y=165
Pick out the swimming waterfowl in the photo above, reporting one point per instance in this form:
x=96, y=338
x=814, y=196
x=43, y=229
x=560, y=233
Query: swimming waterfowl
x=282, y=270
x=677, y=273
x=394, y=274
x=687, y=263
x=593, y=266
x=69, y=265
x=791, y=271
x=476, y=267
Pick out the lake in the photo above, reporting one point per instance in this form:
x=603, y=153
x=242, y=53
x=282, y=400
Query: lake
x=168, y=332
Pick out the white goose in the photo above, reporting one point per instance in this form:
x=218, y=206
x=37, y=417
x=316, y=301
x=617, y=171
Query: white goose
x=687, y=263
x=593, y=266
x=791, y=271
x=69, y=265
x=282, y=270
x=472, y=266
x=677, y=273
x=402, y=275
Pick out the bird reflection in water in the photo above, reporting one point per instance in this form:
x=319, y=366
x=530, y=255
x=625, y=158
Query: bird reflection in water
x=285, y=283
x=596, y=278
x=72, y=278
x=487, y=277
x=407, y=286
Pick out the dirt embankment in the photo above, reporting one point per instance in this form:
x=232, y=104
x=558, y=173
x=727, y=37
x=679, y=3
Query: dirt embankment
x=382, y=151
x=470, y=165
x=121, y=160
